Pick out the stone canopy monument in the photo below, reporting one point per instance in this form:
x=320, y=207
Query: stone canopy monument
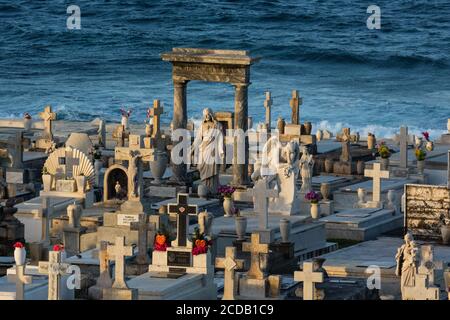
x=229, y=66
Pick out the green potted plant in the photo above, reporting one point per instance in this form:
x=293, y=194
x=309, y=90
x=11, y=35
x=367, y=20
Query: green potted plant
x=385, y=154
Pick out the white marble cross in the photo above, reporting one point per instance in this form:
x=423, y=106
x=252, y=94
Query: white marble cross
x=309, y=278
x=142, y=227
x=55, y=268
x=48, y=116
x=119, y=251
x=255, y=247
x=229, y=264
x=404, y=147
x=268, y=106
x=377, y=174
x=21, y=281
x=261, y=195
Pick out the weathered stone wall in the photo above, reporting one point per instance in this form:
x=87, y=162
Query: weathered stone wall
x=425, y=204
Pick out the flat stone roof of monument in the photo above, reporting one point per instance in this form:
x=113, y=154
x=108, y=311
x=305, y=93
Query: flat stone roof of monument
x=191, y=55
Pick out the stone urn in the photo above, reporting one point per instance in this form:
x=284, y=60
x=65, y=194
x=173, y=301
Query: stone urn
x=445, y=233
x=202, y=191
x=228, y=206
x=280, y=125
x=285, y=230
x=384, y=163
x=148, y=129
x=47, y=180
x=391, y=199
x=81, y=183
x=371, y=141
x=420, y=166
x=158, y=166
x=241, y=227
x=308, y=127
x=20, y=254
x=360, y=166
x=319, y=135
x=315, y=211
x=325, y=191
x=329, y=165
x=27, y=123
x=361, y=192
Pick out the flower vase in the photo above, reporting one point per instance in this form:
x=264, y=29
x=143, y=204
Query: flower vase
x=329, y=165
x=315, y=211
x=158, y=166
x=241, y=227
x=325, y=191
x=47, y=180
x=384, y=163
x=445, y=233
x=371, y=142
x=285, y=230
x=228, y=206
x=420, y=166
x=20, y=255
x=124, y=122
x=202, y=191
x=27, y=124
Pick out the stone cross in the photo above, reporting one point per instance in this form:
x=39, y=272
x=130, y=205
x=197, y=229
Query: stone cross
x=377, y=174
x=104, y=280
x=136, y=145
x=255, y=247
x=142, y=227
x=46, y=215
x=404, y=147
x=156, y=112
x=261, y=195
x=229, y=264
x=427, y=263
x=48, y=116
x=119, y=251
x=21, y=281
x=182, y=210
x=295, y=103
x=55, y=268
x=421, y=290
x=102, y=133
x=268, y=106
x=68, y=162
x=309, y=278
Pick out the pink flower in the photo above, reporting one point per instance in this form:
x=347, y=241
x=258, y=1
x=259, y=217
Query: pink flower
x=58, y=247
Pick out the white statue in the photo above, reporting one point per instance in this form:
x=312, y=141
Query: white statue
x=306, y=170
x=133, y=172
x=205, y=220
x=407, y=259
x=118, y=189
x=208, y=145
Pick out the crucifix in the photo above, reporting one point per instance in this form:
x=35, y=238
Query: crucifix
x=268, y=106
x=55, y=268
x=142, y=227
x=119, y=251
x=21, y=281
x=295, y=103
x=309, y=278
x=255, y=247
x=404, y=147
x=229, y=264
x=261, y=195
x=377, y=174
x=156, y=112
x=48, y=116
x=182, y=210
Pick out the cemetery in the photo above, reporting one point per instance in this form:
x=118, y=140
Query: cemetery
x=107, y=211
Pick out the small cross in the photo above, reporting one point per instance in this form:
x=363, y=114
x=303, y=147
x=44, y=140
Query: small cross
x=268, y=105
x=229, y=264
x=404, y=147
x=377, y=174
x=156, y=112
x=255, y=247
x=104, y=280
x=261, y=195
x=119, y=251
x=309, y=278
x=21, y=281
x=182, y=210
x=48, y=116
x=295, y=103
x=142, y=227
x=55, y=268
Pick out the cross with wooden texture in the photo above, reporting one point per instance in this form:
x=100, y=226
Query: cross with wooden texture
x=261, y=195
x=182, y=210
x=377, y=174
x=229, y=264
x=295, y=103
x=142, y=227
x=309, y=278
x=255, y=247
x=48, y=116
x=119, y=251
x=55, y=268
x=21, y=281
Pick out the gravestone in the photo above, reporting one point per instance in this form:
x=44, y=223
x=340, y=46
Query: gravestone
x=377, y=174
x=230, y=263
x=21, y=281
x=104, y=280
x=142, y=227
x=295, y=103
x=73, y=231
x=182, y=210
x=309, y=277
x=46, y=140
x=55, y=268
x=261, y=195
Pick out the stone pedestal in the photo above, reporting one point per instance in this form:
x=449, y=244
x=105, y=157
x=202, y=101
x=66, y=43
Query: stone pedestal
x=120, y=294
x=72, y=240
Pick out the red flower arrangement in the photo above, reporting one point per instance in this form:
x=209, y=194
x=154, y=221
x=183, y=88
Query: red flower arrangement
x=201, y=243
x=226, y=191
x=58, y=247
x=160, y=243
x=426, y=135
x=18, y=245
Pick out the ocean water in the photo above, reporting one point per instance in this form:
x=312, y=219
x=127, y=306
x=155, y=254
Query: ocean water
x=348, y=75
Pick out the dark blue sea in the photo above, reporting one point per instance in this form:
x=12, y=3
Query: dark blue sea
x=348, y=75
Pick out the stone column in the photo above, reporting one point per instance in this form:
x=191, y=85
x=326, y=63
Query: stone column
x=240, y=169
x=179, y=121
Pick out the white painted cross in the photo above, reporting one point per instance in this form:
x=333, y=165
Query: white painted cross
x=261, y=195
x=119, y=251
x=404, y=147
x=309, y=278
x=229, y=264
x=55, y=268
x=255, y=247
x=21, y=281
x=377, y=174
